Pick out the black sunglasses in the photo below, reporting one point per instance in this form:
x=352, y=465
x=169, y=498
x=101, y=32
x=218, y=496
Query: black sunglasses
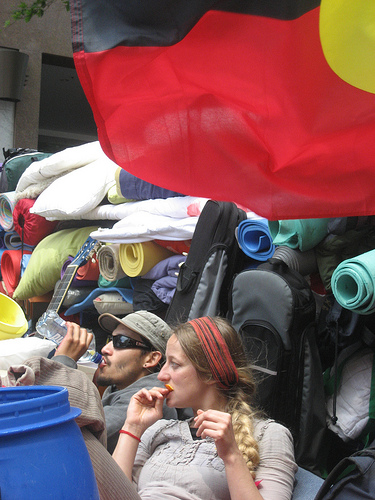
x=124, y=342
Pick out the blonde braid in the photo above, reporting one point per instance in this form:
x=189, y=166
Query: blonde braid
x=242, y=422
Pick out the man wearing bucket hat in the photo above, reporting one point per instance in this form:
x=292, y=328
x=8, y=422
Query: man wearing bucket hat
x=131, y=361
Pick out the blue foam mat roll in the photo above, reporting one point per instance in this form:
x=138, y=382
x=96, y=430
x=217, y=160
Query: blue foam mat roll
x=254, y=239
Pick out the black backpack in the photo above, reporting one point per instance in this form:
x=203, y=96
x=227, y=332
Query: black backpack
x=353, y=478
x=214, y=256
x=273, y=309
x=343, y=335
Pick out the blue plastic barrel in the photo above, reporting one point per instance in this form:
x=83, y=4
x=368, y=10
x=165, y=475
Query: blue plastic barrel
x=42, y=452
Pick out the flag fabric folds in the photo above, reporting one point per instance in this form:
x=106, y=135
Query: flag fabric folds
x=231, y=100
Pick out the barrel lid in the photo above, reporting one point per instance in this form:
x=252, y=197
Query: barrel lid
x=34, y=407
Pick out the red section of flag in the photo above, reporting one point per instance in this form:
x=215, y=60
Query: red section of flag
x=243, y=109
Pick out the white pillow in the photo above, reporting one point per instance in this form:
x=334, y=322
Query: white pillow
x=77, y=192
x=113, y=303
x=17, y=351
x=58, y=163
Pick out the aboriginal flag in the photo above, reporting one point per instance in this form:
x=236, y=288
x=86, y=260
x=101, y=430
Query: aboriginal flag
x=229, y=100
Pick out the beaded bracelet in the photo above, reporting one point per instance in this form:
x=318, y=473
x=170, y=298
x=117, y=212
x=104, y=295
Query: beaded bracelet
x=130, y=434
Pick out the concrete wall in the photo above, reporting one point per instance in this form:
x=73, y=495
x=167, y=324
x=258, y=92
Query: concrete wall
x=48, y=34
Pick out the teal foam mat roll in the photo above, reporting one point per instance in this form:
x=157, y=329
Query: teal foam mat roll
x=303, y=234
x=353, y=283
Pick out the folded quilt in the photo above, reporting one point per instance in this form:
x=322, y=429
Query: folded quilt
x=177, y=207
x=133, y=188
x=353, y=283
x=167, y=267
x=164, y=288
x=165, y=274
x=144, y=226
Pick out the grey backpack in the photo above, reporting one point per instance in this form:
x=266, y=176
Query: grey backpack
x=273, y=309
x=353, y=478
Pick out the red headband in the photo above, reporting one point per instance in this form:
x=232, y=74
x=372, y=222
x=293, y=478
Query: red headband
x=216, y=351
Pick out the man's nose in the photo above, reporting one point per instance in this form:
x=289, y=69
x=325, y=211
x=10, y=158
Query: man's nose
x=108, y=348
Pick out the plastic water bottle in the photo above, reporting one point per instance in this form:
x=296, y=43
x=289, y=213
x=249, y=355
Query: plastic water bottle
x=52, y=327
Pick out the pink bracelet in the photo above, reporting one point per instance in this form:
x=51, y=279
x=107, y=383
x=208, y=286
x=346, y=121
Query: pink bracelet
x=130, y=434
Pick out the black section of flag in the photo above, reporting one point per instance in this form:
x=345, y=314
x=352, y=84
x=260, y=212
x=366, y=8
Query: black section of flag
x=104, y=25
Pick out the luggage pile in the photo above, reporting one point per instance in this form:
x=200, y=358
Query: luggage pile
x=301, y=293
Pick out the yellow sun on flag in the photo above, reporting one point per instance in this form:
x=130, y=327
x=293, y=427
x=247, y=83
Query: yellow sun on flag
x=347, y=35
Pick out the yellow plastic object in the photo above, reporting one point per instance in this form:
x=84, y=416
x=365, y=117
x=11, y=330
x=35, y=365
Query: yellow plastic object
x=13, y=322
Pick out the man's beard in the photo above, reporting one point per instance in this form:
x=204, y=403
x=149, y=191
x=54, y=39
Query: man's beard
x=104, y=381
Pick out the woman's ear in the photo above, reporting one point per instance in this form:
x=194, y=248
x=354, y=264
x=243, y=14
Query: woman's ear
x=152, y=359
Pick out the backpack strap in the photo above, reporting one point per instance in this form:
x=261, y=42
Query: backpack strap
x=332, y=376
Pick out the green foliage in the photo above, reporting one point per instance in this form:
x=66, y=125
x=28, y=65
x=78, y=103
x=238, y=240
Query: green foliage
x=37, y=8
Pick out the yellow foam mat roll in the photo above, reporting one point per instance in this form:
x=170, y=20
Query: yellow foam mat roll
x=137, y=259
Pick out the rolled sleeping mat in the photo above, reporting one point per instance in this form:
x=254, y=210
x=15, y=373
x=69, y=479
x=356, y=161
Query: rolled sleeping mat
x=353, y=283
x=7, y=204
x=34, y=226
x=86, y=275
x=2, y=236
x=254, y=239
x=303, y=262
x=109, y=262
x=11, y=269
x=13, y=241
x=137, y=259
x=303, y=234
x=179, y=247
x=125, y=282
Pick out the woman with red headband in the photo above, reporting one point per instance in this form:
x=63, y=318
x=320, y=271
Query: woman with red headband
x=227, y=450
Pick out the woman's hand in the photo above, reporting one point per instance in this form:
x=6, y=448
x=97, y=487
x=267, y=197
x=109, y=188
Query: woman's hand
x=145, y=408
x=75, y=342
x=218, y=425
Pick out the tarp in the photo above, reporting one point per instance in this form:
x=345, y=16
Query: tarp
x=230, y=100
